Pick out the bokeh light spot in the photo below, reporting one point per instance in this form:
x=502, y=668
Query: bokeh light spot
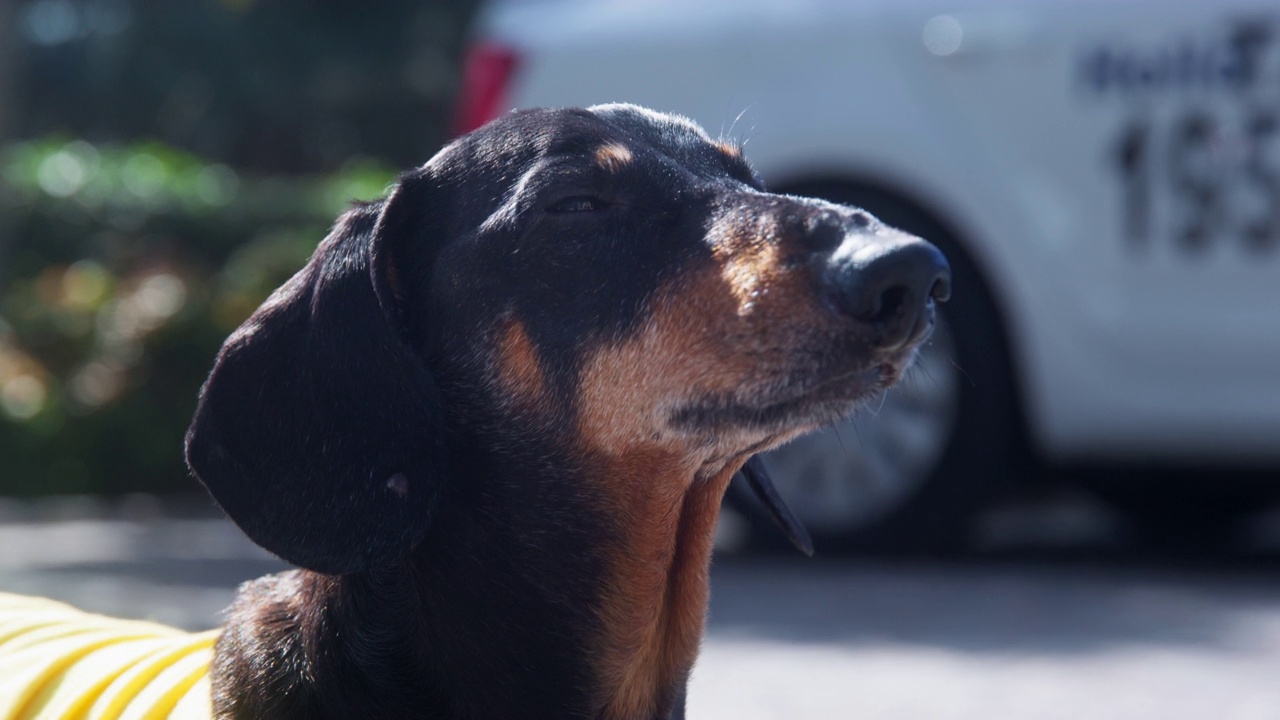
x=61, y=174
x=84, y=285
x=143, y=175
x=51, y=22
x=160, y=296
x=943, y=35
x=23, y=397
x=97, y=383
x=217, y=185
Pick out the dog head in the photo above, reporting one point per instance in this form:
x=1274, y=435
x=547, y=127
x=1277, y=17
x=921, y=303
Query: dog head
x=608, y=279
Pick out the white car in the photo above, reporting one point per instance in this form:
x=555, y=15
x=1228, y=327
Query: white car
x=1104, y=176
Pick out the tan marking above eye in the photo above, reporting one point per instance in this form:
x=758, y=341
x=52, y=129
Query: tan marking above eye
x=613, y=156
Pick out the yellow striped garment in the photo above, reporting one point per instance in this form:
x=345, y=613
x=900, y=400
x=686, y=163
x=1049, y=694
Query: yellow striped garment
x=57, y=662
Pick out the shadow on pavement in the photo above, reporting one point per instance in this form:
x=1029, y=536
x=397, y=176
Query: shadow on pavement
x=977, y=607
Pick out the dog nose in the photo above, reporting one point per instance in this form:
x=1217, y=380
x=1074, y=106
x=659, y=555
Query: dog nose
x=889, y=282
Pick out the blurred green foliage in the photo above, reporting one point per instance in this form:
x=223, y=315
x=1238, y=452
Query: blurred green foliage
x=163, y=167
x=273, y=86
x=131, y=264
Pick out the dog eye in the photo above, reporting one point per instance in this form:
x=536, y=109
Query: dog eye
x=577, y=204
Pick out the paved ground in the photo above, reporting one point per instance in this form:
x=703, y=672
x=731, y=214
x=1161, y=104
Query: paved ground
x=1028, y=636
x=858, y=640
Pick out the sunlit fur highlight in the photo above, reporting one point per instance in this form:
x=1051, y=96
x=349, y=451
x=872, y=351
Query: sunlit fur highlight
x=729, y=148
x=613, y=156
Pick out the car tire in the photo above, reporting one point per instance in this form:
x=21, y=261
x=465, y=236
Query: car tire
x=977, y=447
x=1190, y=511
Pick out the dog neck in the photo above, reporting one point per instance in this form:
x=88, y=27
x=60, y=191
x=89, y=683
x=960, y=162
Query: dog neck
x=597, y=576
x=547, y=594
x=656, y=585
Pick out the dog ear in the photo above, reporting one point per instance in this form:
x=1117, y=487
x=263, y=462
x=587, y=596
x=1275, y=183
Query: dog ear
x=320, y=430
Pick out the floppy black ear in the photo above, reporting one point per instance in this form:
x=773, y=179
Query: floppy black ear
x=319, y=431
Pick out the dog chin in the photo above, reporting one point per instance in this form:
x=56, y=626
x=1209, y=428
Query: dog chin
x=786, y=410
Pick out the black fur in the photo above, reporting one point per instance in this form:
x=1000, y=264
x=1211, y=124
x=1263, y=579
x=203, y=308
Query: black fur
x=453, y=550
x=315, y=403
x=339, y=386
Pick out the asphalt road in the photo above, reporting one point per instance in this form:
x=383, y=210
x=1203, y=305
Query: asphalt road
x=1016, y=635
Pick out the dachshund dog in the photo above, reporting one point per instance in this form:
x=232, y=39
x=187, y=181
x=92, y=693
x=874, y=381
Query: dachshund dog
x=492, y=419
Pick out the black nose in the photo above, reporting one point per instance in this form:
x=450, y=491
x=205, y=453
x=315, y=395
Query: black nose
x=889, y=282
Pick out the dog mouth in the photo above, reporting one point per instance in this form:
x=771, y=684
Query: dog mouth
x=804, y=401
x=815, y=379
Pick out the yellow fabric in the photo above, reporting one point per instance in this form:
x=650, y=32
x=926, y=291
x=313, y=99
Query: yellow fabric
x=59, y=663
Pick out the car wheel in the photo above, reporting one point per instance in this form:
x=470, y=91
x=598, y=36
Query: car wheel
x=1189, y=511
x=907, y=473
x=849, y=475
